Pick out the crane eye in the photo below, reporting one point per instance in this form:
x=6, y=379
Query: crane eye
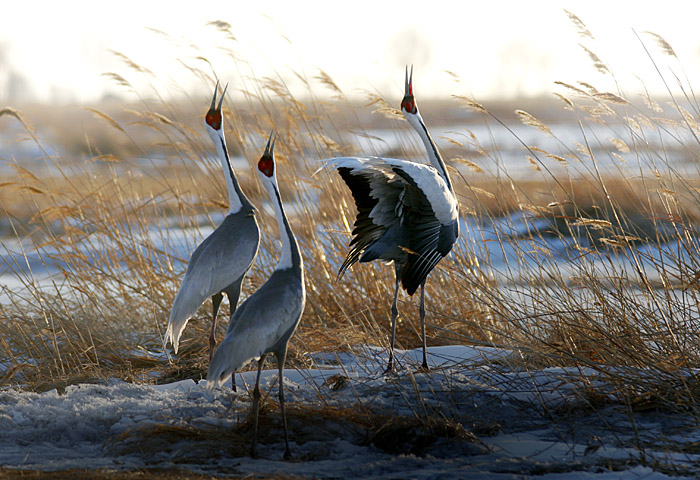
x=409, y=104
x=267, y=166
x=213, y=119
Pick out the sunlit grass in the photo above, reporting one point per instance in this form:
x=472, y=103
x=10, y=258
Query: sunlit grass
x=119, y=199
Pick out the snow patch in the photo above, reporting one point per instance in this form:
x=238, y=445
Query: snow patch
x=516, y=424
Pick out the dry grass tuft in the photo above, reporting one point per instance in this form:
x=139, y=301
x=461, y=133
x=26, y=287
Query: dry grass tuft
x=663, y=44
x=580, y=26
x=589, y=260
x=360, y=426
x=413, y=436
x=185, y=443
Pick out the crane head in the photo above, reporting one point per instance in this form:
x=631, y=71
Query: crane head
x=213, y=117
x=408, y=104
x=266, y=165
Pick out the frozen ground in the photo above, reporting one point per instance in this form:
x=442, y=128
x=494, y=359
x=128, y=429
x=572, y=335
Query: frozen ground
x=347, y=420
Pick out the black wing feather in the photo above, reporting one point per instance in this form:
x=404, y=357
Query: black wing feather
x=429, y=240
x=364, y=231
x=425, y=241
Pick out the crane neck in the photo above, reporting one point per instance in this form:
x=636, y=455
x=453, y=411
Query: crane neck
x=291, y=257
x=236, y=197
x=434, y=156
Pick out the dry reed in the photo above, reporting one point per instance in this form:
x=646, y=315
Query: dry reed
x=116, y=212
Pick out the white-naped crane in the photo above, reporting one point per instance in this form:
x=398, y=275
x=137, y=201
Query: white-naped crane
x=220, y=262
x=266, y=320
x=406, y=213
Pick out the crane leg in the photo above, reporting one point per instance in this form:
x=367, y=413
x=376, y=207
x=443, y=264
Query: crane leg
x=216, y=302
x=422, y=326
x=256, y=406
x=394, y=315
x=280, y=361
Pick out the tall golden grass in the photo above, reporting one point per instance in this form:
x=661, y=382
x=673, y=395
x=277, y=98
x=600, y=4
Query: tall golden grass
x=109, y=211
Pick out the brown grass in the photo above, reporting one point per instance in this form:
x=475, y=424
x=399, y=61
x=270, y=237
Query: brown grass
x=106, y=208
x=389, y=433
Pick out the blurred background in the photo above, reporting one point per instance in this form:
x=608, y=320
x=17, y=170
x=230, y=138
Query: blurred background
x=570, y=131
x=58, y=51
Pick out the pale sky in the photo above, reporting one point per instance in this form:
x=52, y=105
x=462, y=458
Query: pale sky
x=60, y=49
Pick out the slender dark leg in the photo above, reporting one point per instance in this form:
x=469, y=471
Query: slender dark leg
x=216, y=302
x=394, y=315
x=422, y=325
x=280, y=361
x=256, y=406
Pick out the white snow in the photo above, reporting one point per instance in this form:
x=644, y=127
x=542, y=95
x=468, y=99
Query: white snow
x=529, y=424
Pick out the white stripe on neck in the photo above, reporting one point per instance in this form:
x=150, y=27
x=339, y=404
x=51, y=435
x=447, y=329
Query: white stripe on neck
x=285, y=260
x=417, y=123
x=234, y=200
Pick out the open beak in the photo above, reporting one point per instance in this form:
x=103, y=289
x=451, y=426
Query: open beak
x=221, y=100
x=408, y=89
x=270, y=144
x=213, y=100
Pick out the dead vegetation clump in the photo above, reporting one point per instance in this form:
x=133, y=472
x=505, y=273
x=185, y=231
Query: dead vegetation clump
x=584, y=262
x=407, y=435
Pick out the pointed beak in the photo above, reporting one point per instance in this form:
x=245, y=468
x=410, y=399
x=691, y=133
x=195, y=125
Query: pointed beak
x=270, y=144
x=221, y=100
x=213, y=100
x=408, y=89
x=405, y=89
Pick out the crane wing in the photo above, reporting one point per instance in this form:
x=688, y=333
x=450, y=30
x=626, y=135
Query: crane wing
x=433, y=187
x=429, y=240
x=220, y=260
x=256, y=327
x=376, y=194
x=407, y=197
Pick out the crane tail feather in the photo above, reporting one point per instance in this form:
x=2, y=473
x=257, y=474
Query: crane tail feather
x=174, y=332
x=417, y=269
